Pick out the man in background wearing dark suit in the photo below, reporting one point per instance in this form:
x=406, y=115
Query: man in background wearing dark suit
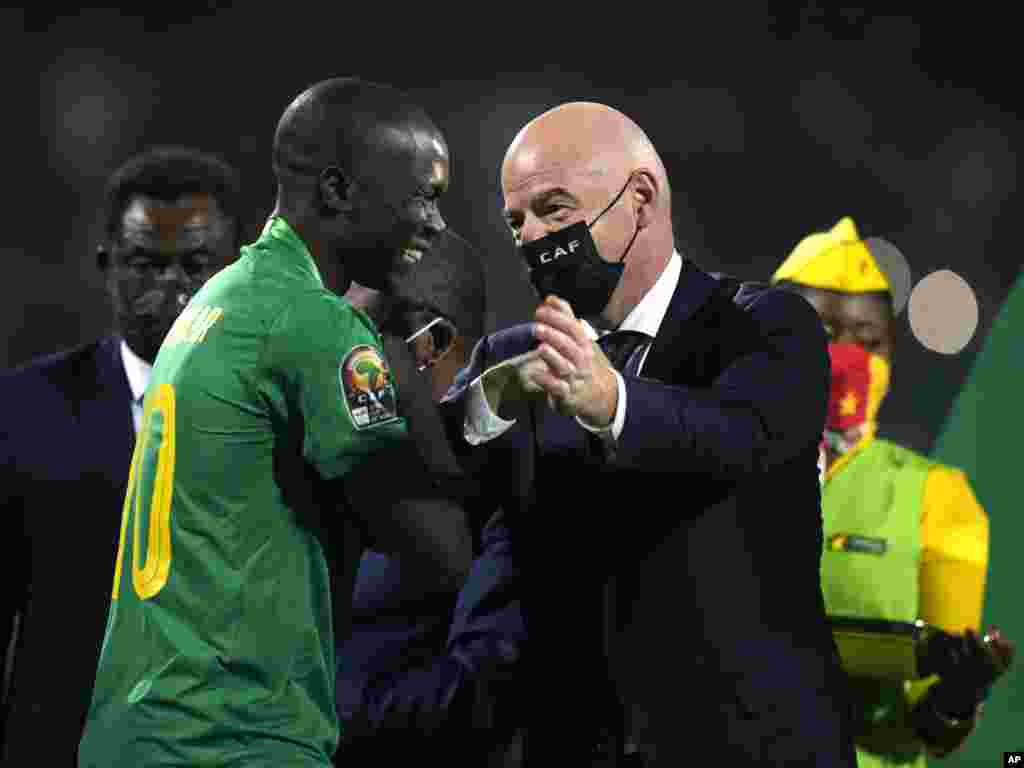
x=67, y=429
x=688, y=471
x=419, y=677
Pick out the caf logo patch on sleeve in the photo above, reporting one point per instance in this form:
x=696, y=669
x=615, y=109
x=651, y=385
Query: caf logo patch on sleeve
x=367, y=388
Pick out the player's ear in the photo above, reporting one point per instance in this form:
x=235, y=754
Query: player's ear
x=335, y=189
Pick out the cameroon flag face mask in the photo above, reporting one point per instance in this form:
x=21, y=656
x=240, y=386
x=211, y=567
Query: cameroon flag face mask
x=860, y=381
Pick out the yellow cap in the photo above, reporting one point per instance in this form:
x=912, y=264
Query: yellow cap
x=837, y=260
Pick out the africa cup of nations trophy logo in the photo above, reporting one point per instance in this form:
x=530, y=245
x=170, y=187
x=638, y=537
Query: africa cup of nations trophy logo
x=367, y=387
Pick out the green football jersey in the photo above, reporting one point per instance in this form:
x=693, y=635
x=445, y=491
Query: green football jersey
x=219, y=648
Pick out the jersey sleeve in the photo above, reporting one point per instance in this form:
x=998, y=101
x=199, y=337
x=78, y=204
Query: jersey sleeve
x=954, y=552
x=330, y=359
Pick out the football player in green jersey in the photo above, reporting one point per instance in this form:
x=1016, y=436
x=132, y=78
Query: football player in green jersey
x=238, y=550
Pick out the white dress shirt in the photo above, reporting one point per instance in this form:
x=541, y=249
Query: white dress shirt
x=138, y=372
x=482, y=424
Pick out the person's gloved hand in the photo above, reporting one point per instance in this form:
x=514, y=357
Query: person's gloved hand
x=967, y=666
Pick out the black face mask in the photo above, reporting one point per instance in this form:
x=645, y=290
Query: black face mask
x=567, y=264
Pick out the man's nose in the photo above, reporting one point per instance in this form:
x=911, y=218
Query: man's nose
x=532, y=229
x=173, y=272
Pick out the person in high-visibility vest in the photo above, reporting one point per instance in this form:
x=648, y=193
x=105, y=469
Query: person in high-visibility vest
x=905, y=538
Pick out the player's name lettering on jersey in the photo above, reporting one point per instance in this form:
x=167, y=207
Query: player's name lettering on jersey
x=193, y=324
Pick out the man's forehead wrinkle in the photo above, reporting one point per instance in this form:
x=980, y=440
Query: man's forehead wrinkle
x=531, y=162
x=569, y=176
x=537, y=177
x=189, y=221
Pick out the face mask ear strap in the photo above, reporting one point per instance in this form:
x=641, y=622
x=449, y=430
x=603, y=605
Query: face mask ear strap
x=613, y=202
x=425, y=328
x=636, y=231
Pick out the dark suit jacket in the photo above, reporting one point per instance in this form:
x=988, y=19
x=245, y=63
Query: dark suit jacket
x=709, y=513
x=418, y=679
x=418, y=673
x=66, y=439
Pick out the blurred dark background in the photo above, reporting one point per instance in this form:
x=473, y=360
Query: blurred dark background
x=772, y=125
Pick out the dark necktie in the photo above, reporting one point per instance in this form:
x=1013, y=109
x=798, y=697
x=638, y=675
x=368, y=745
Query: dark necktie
x=625, y=349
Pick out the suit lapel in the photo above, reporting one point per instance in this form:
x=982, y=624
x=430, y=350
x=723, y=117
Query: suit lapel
x=561, y=435
x=103, y=399
x=692, y=291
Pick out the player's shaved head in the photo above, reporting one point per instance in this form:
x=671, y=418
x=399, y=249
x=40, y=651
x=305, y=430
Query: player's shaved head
x=360, y=170
x=347, y=122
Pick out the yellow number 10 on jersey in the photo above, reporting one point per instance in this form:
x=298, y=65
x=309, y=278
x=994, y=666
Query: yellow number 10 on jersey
x=148, y=500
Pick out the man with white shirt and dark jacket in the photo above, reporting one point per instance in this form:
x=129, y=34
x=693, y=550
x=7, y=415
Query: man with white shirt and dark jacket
x=697, y=457
x=67, y=429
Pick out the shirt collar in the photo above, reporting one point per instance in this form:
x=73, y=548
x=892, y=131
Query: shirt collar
x=647, y=316
x=137, y=370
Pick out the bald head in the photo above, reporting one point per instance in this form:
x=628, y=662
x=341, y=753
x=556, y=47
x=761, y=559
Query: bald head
x=580, y=137
x=348, y=122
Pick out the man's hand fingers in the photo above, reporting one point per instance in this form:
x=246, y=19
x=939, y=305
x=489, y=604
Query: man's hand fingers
x=560, y=305
x=527, y=376
x=556, y=361
x=531, y=372
x=570, y=348
x=532, y=365
x=556, y=387
x=567, y=324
